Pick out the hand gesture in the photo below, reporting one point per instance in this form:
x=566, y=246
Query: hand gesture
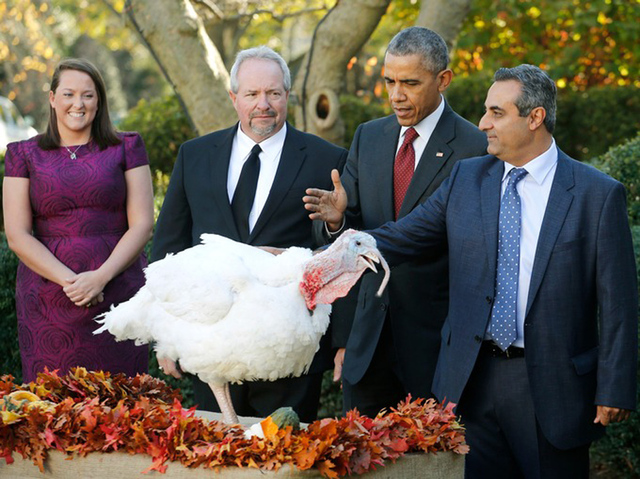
x=327, y=206
x=85, y=289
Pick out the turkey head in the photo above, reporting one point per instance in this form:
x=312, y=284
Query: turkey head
x=330, y=275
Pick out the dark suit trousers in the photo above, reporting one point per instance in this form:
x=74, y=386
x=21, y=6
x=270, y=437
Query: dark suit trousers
x=261, y=398
x=380, y=387
x=505, y=439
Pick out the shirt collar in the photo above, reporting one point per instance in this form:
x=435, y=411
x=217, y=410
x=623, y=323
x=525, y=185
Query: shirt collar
x=270, y=147
x=425, y=127
x=540, y=166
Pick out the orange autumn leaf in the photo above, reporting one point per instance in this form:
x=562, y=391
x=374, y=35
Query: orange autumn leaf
x=270, y=429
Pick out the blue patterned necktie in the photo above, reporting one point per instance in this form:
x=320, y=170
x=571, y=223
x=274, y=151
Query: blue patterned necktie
x=503, y=316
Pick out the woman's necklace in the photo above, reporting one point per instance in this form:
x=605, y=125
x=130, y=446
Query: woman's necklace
x=72, y=154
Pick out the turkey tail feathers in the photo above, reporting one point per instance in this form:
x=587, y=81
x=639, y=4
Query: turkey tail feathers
x=128, y=320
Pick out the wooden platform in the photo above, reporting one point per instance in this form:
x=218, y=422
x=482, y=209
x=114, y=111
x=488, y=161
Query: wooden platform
x=123, y=466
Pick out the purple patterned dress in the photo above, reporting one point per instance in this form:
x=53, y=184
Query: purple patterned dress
x=79, y=214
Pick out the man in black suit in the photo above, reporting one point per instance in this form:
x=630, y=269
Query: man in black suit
x=246, y=183
x=392, y=346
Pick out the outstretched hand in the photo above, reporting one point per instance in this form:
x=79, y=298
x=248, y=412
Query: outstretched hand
x=327, y=206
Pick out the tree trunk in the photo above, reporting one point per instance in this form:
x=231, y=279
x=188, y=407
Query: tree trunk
x=175, y=35
x=338, y=37
x=444, y=17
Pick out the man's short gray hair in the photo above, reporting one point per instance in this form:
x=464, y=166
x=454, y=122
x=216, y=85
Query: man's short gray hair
x=538, y=90
x=421, y=41
x=264, y=53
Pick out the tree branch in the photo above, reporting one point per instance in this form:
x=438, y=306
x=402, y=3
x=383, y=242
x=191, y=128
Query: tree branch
x=128, y=10
x=217, y=11
x=109, y=5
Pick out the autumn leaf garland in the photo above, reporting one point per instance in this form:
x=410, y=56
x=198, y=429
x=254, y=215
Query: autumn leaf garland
x=96, y=411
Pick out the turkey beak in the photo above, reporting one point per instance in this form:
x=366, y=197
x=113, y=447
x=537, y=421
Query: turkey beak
x=370, y=258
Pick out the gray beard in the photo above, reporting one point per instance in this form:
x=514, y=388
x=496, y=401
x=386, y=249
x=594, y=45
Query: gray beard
x=264, y=131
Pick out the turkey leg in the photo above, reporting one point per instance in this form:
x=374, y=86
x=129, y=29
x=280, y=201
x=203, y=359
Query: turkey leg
x=223, y=396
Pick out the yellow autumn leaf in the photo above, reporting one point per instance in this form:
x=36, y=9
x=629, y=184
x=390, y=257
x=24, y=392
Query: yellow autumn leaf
x=9, y=417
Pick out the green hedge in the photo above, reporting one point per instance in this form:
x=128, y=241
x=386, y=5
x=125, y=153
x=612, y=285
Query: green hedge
x=163, y=126
x=618, y=453
x=356, y=110
x=623, y=163
x=10, y=357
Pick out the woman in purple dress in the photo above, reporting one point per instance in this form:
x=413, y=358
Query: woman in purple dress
x=78, y=211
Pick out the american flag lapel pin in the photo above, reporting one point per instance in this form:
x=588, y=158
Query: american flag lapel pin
x=439, y=154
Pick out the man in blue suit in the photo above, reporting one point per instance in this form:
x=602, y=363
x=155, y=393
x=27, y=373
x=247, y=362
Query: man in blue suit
x=539, y=348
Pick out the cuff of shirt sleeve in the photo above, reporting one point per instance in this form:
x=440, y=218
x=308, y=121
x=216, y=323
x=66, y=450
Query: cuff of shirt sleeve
x=333, y=234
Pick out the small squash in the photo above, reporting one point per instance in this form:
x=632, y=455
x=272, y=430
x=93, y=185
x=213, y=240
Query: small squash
x=285, y=416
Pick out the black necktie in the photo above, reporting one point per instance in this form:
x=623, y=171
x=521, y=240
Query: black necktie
x=245, y=192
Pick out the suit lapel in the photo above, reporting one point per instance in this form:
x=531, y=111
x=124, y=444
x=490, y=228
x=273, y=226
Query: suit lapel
x=560, y=199
x=220, y=156
x=291, y=160
x=384, y=150
x=434, y=157
x=490, y=206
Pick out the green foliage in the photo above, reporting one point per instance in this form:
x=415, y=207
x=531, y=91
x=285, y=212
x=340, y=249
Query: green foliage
x=163, y=126
x=330, y=397
x=588, y=122
x=592, y=121
x=10, y=357
x=466, y=95
x=617, y=454
x=621, y=162
x=356, y=110
x=582, y=44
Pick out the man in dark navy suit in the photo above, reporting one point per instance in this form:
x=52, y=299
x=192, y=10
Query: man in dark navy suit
x=246, y=183
x=540, y=343
x=390, y=344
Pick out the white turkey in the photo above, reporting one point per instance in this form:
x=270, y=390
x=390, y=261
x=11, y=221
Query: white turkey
x=230, y=312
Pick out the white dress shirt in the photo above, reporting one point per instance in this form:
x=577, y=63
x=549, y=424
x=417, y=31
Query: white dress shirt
x=534, y=192
x=269, y=161
x=424, y=129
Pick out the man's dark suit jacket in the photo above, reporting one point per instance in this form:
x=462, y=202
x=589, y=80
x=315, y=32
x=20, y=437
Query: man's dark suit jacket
x=197, y=201
x=416, y=299
x=582, y=308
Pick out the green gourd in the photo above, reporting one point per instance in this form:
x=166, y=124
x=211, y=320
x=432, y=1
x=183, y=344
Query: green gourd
x=285, y=416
